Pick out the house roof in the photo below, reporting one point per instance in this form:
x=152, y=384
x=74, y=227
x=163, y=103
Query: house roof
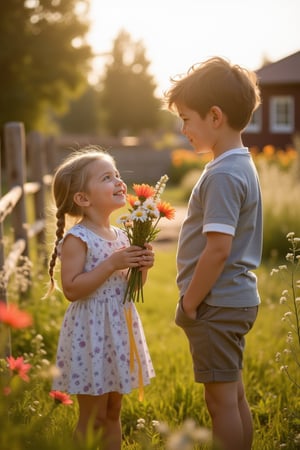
x=284, y=71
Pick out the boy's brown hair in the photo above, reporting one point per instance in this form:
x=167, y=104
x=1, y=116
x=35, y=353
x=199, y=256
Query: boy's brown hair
x=217, y=83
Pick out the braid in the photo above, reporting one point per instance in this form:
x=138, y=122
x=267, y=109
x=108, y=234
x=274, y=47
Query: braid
x=60, y=227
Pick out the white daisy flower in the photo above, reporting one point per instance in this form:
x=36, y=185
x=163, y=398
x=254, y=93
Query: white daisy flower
x=123, y=219
x=139, y=214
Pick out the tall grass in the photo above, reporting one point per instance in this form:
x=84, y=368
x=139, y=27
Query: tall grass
x=172, y=397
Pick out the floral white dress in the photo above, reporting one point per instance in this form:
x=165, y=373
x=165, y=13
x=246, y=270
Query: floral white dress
x=94, y=354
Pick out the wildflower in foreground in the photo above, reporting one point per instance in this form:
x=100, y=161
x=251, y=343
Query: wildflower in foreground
x=61, y=397
x=291, y=317
x=18, y=366
x=13, y=316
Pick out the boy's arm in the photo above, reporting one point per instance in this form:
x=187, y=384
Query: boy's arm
x=208, y=269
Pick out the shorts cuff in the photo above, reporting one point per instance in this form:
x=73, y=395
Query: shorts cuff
x=217, y=376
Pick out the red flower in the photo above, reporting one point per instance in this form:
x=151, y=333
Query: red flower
x=144, y=191
x=19, y=366
x=7, y=390
x=61, y=397
x=166, y=210
x=13, y=316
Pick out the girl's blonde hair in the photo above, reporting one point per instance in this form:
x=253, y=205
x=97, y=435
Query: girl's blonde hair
x=71, y=177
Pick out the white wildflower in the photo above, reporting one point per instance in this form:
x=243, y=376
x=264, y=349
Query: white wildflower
x=178, y=441
x=160, y=186
x=274, y=271
x=290, y=235
x=139, y=214
x=202, y=435
x=290, y=257
x=160, y=427
x=124, y=218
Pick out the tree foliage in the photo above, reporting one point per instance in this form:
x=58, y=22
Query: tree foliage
x=84, y=115
x=43, y=57
x=128, y=89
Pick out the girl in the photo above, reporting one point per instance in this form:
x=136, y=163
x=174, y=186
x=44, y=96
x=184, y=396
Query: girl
x=102, y=352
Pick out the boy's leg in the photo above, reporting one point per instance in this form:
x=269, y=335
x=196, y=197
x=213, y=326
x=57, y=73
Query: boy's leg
x=245, y=414
x=222, y=401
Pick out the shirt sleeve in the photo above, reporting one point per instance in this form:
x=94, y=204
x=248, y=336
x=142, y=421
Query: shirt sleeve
x=222, y=196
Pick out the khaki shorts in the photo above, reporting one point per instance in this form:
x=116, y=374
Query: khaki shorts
x=216, y=339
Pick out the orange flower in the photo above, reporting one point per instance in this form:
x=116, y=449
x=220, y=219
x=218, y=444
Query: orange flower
x=61, y=397
x=13, y=316
x=166, y=210
x=132, y=199
x=19, y=366
x=143, y=191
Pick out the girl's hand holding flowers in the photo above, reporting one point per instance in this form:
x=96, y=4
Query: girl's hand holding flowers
x=147, y=260
x=140, y=225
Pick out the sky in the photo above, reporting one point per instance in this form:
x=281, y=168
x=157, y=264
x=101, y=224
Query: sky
x=179, y=33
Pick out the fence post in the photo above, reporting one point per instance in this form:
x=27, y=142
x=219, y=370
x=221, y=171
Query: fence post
x=14, y=143
x=36, y=152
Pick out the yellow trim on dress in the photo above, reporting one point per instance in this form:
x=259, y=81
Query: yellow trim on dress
x=134, y=352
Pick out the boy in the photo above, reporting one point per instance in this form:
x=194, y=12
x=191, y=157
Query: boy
x=220, y=241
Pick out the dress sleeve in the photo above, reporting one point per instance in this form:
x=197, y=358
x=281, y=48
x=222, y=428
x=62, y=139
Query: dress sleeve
x=76, y=231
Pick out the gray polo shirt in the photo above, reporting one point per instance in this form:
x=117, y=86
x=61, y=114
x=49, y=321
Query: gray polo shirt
x=226, y=199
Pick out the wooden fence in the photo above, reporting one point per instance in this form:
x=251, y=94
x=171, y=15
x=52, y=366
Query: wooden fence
x=18, y=153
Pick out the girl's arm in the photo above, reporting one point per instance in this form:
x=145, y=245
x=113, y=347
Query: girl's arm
x=77, y=283
x=208, y=269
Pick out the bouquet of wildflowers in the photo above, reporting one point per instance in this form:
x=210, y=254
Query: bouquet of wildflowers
x=146, y=210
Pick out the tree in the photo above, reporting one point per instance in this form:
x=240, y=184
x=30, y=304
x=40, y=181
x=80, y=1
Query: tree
x=128, y=89
x=43, y=58
x=84, y=115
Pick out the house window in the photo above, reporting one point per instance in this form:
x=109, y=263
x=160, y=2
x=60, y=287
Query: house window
x=254, y=125
x=282, y=114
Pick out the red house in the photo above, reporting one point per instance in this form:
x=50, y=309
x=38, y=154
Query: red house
x=277, y=120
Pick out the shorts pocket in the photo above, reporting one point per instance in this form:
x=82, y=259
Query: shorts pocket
x=181, y=319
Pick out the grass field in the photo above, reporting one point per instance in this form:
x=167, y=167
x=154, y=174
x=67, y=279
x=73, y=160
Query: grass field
x=172, y=397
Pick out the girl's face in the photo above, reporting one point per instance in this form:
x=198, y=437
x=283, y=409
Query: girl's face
x=106, y=191
x=198, y=131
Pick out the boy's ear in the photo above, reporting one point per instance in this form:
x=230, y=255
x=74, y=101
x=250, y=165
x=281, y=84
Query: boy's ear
x=81, y=199
x=217, y=116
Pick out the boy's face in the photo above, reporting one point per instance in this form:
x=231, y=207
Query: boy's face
x=199, y=131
